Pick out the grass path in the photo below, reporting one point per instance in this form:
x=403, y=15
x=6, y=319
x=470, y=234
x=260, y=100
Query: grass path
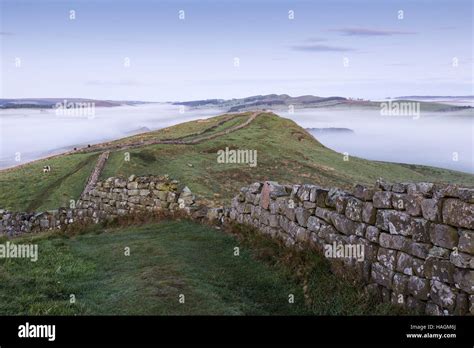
x=166, y=260
x=176, y=141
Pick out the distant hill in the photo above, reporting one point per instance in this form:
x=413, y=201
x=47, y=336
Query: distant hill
x=266, y=101
x=284, y=101
x=49, y=103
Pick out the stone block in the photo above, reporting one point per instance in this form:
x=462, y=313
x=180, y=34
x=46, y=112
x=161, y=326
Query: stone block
x=458, y=213
x=419, y=287
x=466, y=241
x=369, y=213
x=372, y=234
x=313, y=224
x=390, y=241
x=400, y=187
x=347, y=226
x=382, y=200
x=413, y=204
x=399, y=201
x=302, y=216
x=400, y=283
x=464, y=280
x=405, y=264
x=443, y=295
x=462, y=260
x=433, y=309
x=431, y=209
x=444, y=236
x=363, y=193
x=132, y=185
x=441, y=270
x=387, y=258
x=382, y=275
x=354, y=209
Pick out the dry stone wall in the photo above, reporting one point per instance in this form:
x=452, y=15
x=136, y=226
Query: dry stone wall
x=417, y=240
x=108, y=199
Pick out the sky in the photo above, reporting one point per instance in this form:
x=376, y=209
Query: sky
x=186, y=50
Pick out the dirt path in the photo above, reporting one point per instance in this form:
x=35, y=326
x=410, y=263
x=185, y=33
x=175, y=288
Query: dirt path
x=170, y=141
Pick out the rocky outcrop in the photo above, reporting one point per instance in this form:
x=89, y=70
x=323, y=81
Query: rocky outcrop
x=417, y=239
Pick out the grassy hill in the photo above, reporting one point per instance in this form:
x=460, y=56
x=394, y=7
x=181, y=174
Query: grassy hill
x=286, y=153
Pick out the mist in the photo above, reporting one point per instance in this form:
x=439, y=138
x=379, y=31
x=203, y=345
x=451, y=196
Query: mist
x=38, y=133
x=437, y=139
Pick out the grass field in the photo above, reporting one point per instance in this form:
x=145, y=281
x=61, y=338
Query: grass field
x=286, y=153
x=168, y=259
x=28, y=188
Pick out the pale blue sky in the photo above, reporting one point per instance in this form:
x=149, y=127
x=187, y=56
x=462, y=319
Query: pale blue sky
x=173, y=59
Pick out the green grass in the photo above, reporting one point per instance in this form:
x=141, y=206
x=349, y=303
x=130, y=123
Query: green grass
x=168, y=259
x=28, y=188
x=286, y=153
x=187, y=130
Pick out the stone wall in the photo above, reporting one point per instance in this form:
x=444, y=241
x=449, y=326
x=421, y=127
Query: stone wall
x=107, y=200
x=418, y=239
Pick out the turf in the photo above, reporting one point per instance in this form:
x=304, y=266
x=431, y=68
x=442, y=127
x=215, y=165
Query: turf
x=28, y=188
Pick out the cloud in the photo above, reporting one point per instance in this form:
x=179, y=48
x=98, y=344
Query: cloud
x=371, y=32
x=321, y=48
x=6, y=33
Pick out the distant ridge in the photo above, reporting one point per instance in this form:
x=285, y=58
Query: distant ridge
x=434, y=96
x=49, y=103
x=284, y=101
x=271, y=100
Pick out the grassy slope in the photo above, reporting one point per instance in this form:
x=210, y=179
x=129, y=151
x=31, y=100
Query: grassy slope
x=286, y=153
x=28, y=188
x=166, y=260
x=187, y=130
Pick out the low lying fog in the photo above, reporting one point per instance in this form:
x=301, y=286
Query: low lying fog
x=35, y=133
x=436, y=139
